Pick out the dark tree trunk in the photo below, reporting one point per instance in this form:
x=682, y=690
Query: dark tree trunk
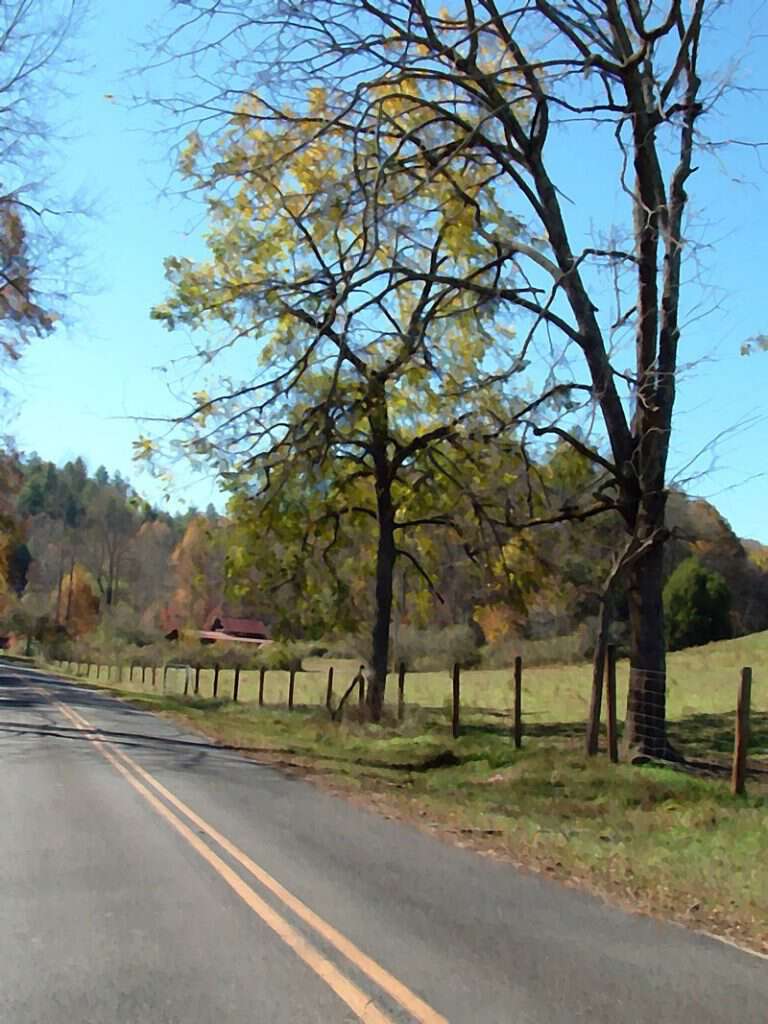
x=598, y=671
x=645, y=729
x=60, y=587
x=68, y=613
x=385, y=568
x=109, y=593
x=386, y=551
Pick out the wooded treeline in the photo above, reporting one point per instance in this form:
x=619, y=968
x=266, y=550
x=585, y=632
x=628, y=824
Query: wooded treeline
x=86, y=554
x=86, y=558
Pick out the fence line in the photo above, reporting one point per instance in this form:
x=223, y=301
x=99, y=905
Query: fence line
x=645, y=708
x=194, y=672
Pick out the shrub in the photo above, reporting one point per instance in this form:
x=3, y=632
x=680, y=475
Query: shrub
x=697, y=604
x=284, y=656
x=425, y=650
x=55, y=642
x=555, y=650
x=347, y=646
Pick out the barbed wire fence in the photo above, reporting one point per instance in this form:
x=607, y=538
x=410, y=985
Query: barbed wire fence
x=642, y=732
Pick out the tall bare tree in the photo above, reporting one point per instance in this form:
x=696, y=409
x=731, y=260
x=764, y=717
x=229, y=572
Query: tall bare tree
x=518, y=95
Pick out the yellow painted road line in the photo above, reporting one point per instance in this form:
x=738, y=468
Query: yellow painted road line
x=413, y=1004
x=360, y=1003
x=410, y=1002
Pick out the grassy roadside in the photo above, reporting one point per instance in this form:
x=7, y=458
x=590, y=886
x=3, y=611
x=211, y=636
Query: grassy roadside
x=702, y=686
x=652, y=839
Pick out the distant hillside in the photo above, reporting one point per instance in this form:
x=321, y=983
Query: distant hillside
x=757, y=552
x=700, y=530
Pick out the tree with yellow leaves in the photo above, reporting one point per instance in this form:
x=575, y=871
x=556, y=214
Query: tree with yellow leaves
x=476, y=116
x=373, y=394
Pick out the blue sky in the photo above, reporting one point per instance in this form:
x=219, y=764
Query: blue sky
x=85, y=390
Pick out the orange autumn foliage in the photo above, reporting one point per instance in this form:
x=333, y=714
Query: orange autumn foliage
x=79, y=602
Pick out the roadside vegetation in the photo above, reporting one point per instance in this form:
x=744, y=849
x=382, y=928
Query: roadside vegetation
x=658, y=840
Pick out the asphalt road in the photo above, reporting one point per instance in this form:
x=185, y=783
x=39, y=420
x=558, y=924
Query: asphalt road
x=148, y=877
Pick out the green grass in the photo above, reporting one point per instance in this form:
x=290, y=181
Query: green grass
x=701, y=693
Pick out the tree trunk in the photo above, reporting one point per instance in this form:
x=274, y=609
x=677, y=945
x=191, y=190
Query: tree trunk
x=598, y=671
x=645, y=730
x=110, y=582
x=60, y=586
x=385, y=568
x=386, y=551
x=68, y=612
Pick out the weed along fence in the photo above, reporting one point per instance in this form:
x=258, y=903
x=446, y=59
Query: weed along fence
x=334, y=688
x=718, y=722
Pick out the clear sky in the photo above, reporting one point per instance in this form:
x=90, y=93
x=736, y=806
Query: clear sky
x=85, y=390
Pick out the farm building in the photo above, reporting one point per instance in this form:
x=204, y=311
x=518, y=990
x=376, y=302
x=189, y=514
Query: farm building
x=219, y=626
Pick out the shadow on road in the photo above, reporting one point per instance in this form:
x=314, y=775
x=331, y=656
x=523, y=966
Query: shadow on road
x=16, y=693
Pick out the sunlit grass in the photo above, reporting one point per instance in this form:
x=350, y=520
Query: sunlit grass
x=701, y=681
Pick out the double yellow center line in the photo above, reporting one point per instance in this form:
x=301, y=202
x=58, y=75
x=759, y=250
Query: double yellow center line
x=355, y=998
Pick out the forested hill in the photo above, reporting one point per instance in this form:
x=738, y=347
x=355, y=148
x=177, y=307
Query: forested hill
x=86, y=554
x=84, y=550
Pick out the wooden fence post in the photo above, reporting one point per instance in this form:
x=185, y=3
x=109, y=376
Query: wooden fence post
x=596, y=702
x=518, y=710
x=741, y=738
x=291, y=684
x=236, y=684
x=215, y=680
x=154, y=676
x=329, y=689
x=401, y=692
x=613, y=738
x=197, y=679
x=456, y=700
x=262, y=673
x=187, y=669
x=165, y=675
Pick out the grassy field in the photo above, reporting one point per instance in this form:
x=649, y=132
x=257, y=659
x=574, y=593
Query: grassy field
x=701, y=692
x=654, y=839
